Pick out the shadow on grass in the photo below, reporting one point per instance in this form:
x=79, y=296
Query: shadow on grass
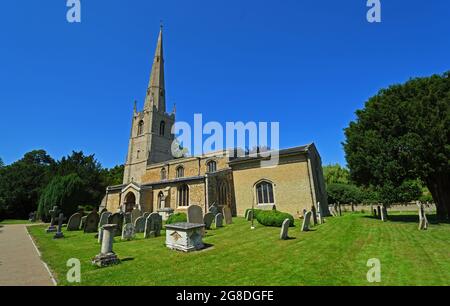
x=432, y=219
x=127, y=259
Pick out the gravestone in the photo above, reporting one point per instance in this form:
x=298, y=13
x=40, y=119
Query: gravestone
x=423, y=220
x=59, y=234
x=214, y=209
x=218, y=220
x=91, y=225
x=107, y=257
x=285, y=229
x=74, y=222
x=100, y=234
x=128, y=232
x=139, y=225
x=127, y=218
x=195, y=214
x=306, y=222
x=208, y=220
x=116, y=218
x=136, y=213
x=250, y=215
x=104, y=218
x=145, y=215
x=53, y=214
x=83, y=222
x=227, y=215
x=32, y=216
x=383, y=213
x=314, y=214
x=379, y=211
x=319, y=214
x=153, y=226
x=339, y=209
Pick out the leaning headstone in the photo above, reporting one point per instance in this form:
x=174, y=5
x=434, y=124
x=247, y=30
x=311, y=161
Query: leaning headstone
x=195, y=214
x=208, y=220
x=53, y=214
x=116, y=218
x=139, y=225
x=423, y=220
x=153, y=226
x=91, y=225
x=314, y=214
x=107, y=257
x=218, y=220
x=83, y=222
x=306, y=222
x=128, y=232
x=59, y=234
x=74, y=222
x=136, y=213
x=250, y=215
x=227, y=215
x=214, y=209
x=104, y=218
x=284, y=229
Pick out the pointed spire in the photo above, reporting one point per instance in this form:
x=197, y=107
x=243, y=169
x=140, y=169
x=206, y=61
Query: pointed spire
x=156, y=95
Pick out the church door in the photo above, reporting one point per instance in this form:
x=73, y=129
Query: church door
x=130, y=202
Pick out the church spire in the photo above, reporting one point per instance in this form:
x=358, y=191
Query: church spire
x=156, y=94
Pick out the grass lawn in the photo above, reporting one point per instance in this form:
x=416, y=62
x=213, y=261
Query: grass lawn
x=335, y=253
x=9, y=222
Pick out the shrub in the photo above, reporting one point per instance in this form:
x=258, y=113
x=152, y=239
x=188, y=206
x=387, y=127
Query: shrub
x=273, y=218
x=177, y=218
x=255, y=211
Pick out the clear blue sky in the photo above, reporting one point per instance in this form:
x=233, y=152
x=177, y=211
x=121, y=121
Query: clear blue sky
x=307, y=64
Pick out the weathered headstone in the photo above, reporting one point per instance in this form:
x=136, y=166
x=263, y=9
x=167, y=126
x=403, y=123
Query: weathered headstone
x=59, y=234
x=32, y=216
x=92, y=220
x=153, y=226
x=319, y=214
x=139, y=225
x=383, y=214
x=208, y=220
x=250, y=215
x=104, y=218
x=127, y=218
x=83, y=222
x=195, y=214
x=128, y=232
x=117, y=218
x=53, y=214
x=136, y=213
x=100, y=234
x=107, y=257
x=306, y=222
x=214, y=209
x=285, y=229
x=145, y=215
x=314, y=214
x=227, y=215
x=423, y=220
x=74, y=222
x=218, y=220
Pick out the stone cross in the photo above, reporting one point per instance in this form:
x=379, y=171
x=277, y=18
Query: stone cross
x=52, y=227
x=59, y=234
x=107, y=257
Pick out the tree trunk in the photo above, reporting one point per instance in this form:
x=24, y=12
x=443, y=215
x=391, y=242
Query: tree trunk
x=439, y=186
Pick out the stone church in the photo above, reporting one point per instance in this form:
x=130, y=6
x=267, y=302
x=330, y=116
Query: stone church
x=156, y=181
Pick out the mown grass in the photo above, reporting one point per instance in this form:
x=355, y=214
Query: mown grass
x=11, y=222
x=335, y=253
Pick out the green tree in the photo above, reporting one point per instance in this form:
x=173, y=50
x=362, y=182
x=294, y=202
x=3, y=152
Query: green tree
x=2, y=164
x=113, y=176
x=335, y=174
x=66, y=192
x=22, y=182
x=344, y=193
x=403, y=133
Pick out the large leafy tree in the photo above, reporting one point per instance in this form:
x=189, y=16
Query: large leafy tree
x=403, y=133
x=22, y=182
x=2, y=164
x=335, y=174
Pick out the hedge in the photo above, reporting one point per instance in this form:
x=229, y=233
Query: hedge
x=273, y=218
x=177, y=218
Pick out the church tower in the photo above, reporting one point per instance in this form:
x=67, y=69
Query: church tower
x=151, y=137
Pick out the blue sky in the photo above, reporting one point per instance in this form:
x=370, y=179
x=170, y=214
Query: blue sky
x=307, y=64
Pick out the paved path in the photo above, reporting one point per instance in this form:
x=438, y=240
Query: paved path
x=20, y=262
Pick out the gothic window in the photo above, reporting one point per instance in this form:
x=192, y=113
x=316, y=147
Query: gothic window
x=163, y=174
x=212, y=166
x=162, y=127
x=140, y=127
x=264, y=193
x=183, y=195
x=222, y=194
x=180, y=172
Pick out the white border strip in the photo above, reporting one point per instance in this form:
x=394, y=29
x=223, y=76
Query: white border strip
x=40, y=256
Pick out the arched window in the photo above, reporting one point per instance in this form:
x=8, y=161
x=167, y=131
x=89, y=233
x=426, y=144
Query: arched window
x=222, y=194
x=212, y=166
x=163, y=174
x=183, y=195
x=140, y=127
x=180, y=172
x=264, y=193
x=162, y=127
